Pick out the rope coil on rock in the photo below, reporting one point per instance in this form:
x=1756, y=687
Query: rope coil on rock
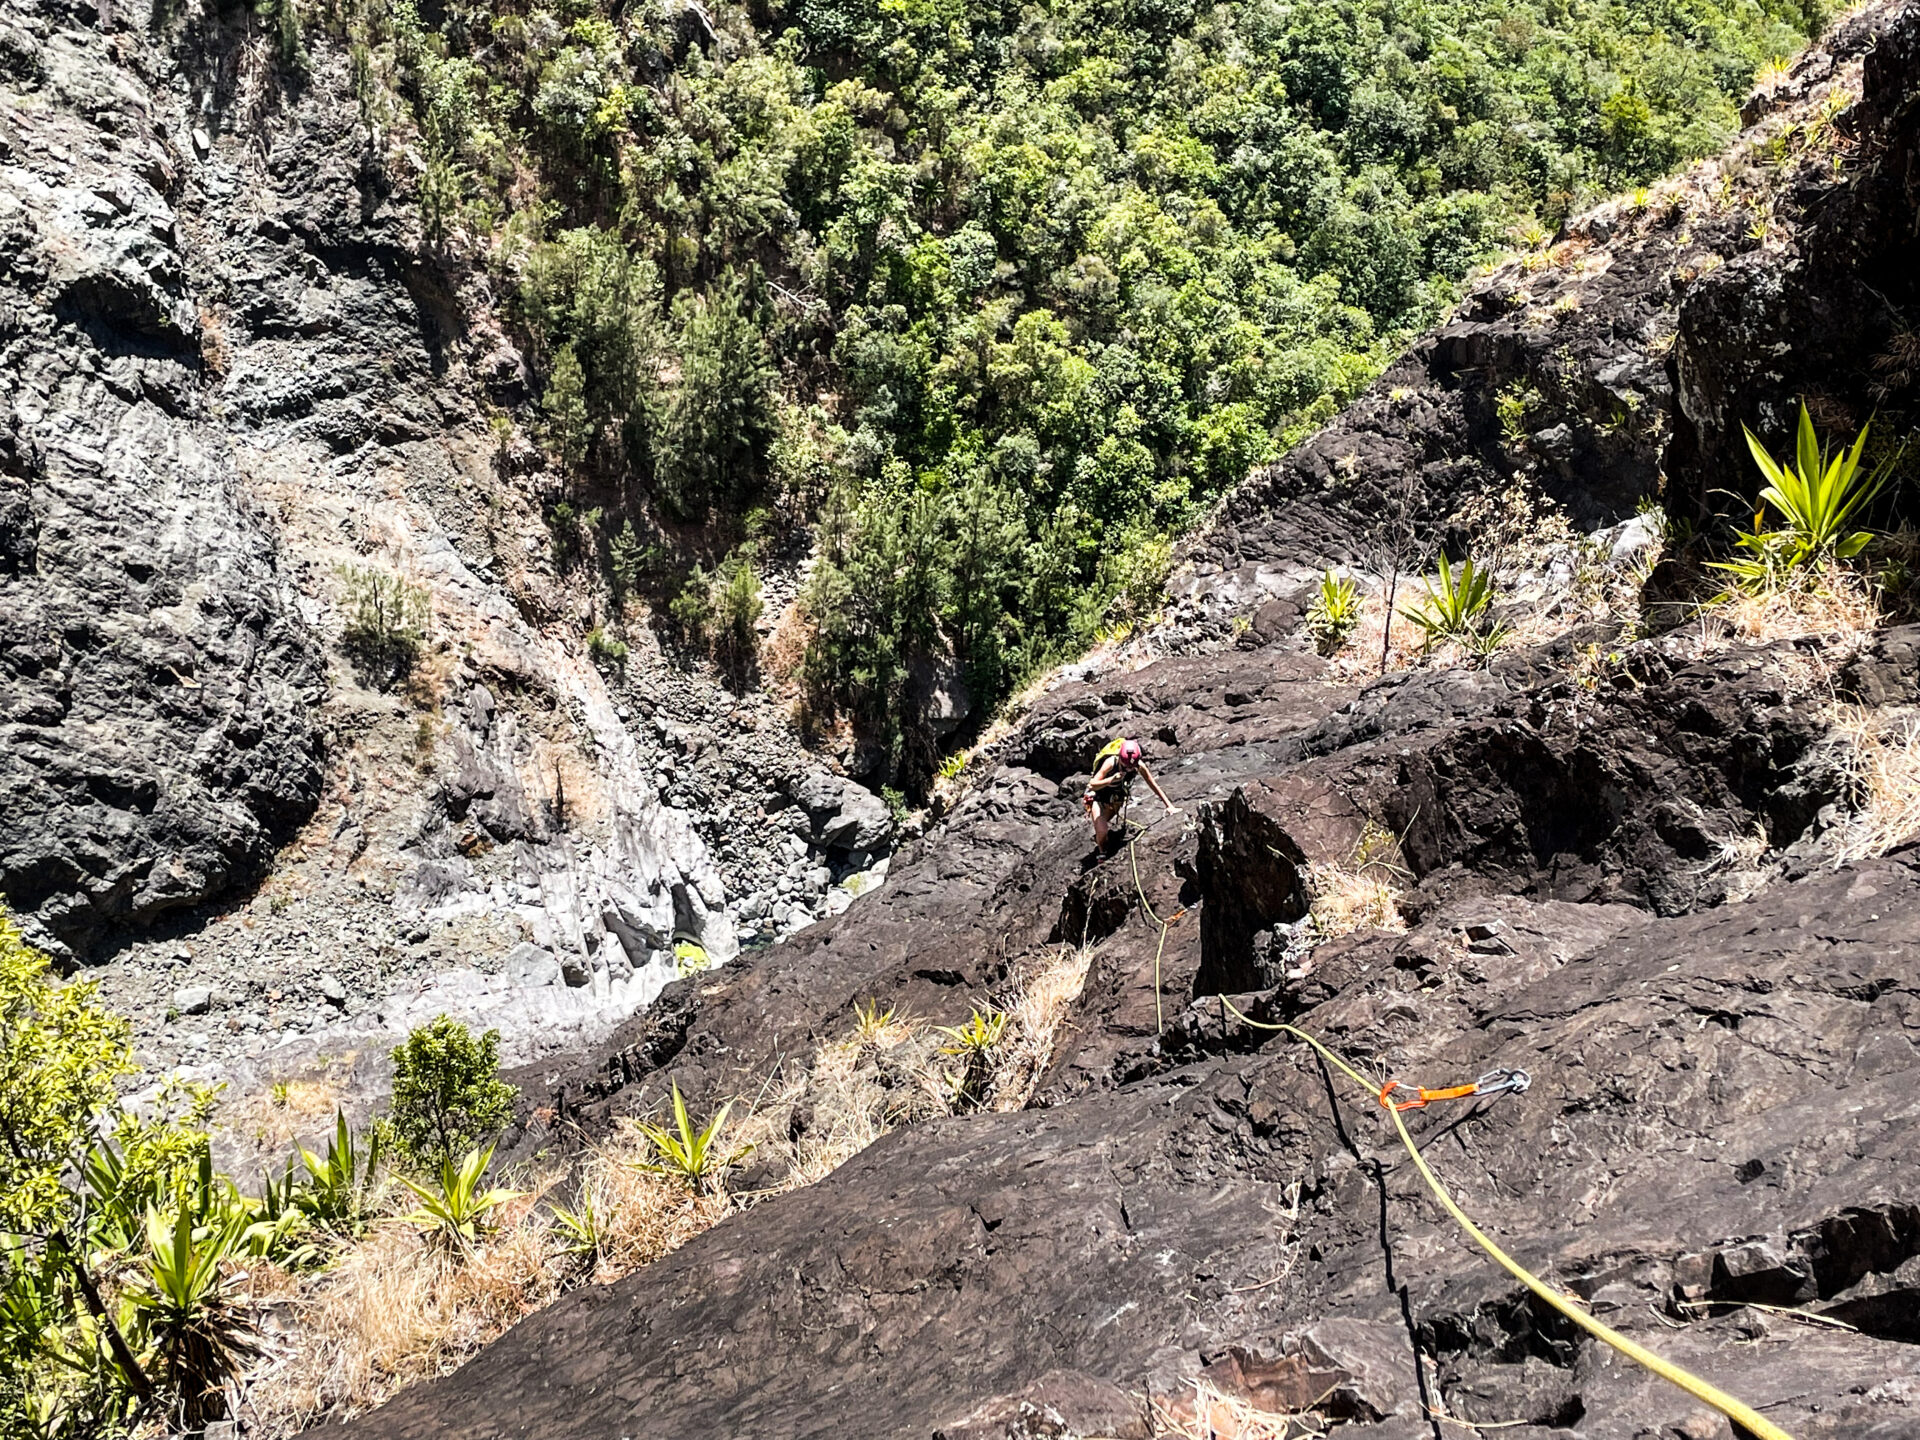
x=1738, y=1411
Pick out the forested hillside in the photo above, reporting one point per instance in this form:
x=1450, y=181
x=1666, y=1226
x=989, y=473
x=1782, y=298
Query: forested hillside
x=999, y=295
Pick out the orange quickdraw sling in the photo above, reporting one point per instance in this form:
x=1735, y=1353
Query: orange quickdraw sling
x=1491, y=1083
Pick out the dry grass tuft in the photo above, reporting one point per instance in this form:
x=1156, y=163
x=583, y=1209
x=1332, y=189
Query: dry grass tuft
x=1038, y=1010
x=645, y=1216
x=1880, y=753
x=1362, y=893
x=1833, y=604
x=288, y=1113
x=1360, y=656
x=391, y=1310
x=1213, y=1414
x=886, y=1073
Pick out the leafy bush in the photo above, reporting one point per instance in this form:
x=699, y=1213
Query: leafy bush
x=737, y=609
x=606, y=649
x=692, y=607
x=386, y=623
x=1335, y=612
x=61, y=1056
x=568, y=426
x=1819, y=499
x=447, y=1093
x=719, y=610
x=1036, y=287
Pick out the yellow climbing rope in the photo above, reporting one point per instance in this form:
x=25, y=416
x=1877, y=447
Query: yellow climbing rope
x=1740, y=1413
x=1159, y=1006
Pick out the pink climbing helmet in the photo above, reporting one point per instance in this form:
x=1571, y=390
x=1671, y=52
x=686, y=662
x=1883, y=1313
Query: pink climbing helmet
x=1130, y=753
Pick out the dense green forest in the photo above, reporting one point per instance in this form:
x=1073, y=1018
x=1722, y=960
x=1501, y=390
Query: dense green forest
x=998, y=296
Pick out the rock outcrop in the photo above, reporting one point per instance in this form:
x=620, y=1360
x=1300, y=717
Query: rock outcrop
x=159, y=728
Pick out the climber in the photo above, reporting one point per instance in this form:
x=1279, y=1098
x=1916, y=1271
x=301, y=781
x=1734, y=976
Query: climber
x=1113, y=772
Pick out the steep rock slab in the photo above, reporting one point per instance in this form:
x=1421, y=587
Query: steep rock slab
x=1721, y=1108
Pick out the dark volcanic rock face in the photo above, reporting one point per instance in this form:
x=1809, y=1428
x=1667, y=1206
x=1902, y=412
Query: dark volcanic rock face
x=157, y=692
x=1717, y=1108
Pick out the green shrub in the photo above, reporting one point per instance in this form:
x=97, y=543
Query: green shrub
x=737, y=609
x=61, y=1058
x=569, y=428
x=606, y=649
x=630, y=561
x=1001, y=308
x=386, y=624
x=447, y=1093
x=692, y=607
x=719, y=610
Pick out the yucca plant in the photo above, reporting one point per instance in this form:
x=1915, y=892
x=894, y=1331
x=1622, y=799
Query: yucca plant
x=688, y=1152
x=457, y=1213
x=1820, y=499
x=340, y=1185
x=974, y=1044
x=870, y=1021
x=1335, y=612
x=200, y=1336
x=581, y=1233
x=1455, y=602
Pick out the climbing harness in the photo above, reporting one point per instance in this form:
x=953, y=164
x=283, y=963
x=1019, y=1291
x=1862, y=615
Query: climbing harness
x=1491, y=1083
x=1740, y=1413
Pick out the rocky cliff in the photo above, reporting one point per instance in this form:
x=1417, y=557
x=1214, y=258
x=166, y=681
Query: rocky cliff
x=244, y=387
x=1636, y=866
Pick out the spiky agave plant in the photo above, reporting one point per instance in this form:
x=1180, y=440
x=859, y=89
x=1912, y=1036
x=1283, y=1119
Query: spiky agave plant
x=1455, y=602
x=340, y=1184
x=974, y=1044
x=1334, y=613
x=581, y=1233
x=1820, y=498
x=458, y=1213
x=870, y=1022
x=690, y=1152
x=200, y=1334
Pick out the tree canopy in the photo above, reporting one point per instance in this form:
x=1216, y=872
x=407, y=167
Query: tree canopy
x=1026, y=285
